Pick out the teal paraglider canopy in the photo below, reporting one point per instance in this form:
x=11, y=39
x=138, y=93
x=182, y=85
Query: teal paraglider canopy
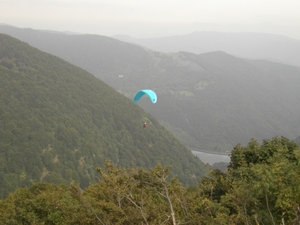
x=151, y=94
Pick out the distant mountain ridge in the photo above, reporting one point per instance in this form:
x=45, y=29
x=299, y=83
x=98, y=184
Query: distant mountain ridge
x=277, y=48
x=209, y=101
x=58, y=123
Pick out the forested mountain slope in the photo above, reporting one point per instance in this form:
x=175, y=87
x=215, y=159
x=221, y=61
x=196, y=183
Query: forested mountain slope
x=210, y=101
x=58, y=123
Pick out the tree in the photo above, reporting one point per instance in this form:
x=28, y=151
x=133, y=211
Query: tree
x=137, y=196
x=42, y=203
x=264, y=180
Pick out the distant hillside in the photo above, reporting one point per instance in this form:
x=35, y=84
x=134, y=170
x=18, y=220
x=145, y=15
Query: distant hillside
x=210, y=101
x=297, y=140
x=276, y=48
x=58, y=123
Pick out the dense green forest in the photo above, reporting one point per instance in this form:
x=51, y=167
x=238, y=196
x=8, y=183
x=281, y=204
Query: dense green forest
x=260, y=186
x=210, y=101
x=58, y=123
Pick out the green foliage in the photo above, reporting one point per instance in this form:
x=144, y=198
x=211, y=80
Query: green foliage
x=42, y=203
x=260, y=192
x=262, y=184
x=58, y=123
x=122, y=196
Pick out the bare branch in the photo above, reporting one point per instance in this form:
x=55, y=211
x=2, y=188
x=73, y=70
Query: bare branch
x=137, y=206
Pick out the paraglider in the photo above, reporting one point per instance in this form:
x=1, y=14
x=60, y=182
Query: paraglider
x=151, y=94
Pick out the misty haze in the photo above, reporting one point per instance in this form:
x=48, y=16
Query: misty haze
x=116, y=112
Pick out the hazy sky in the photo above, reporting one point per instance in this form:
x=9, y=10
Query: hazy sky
x=153, y=18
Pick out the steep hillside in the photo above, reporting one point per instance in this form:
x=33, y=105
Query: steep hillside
x=58, y=123
x=210, y=101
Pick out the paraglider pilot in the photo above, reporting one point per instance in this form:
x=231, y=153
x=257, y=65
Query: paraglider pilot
x=145, y=125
